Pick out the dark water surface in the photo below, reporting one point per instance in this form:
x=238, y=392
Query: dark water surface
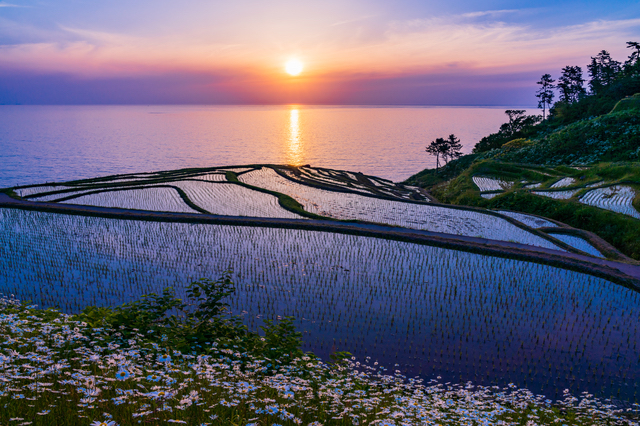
x=57, y=143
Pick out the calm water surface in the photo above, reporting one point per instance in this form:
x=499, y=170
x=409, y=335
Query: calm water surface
x=432, y=311
x=56, y=143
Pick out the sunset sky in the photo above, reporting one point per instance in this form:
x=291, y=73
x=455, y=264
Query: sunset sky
x=412, y=52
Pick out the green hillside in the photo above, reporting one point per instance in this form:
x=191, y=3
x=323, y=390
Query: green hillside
x=580, y=166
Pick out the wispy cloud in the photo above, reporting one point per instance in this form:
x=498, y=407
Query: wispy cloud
x=397, y=48
x=11, y=5
x=350, y=21
x=489, y=13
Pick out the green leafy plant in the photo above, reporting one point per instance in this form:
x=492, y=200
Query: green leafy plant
x=193, y=327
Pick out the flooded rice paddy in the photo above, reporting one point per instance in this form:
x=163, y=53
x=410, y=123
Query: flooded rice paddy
x=423, y=310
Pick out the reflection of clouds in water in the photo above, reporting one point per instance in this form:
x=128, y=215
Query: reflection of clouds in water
x=294, y=150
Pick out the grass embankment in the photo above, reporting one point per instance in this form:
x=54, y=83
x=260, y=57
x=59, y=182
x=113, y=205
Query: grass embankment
x=160, y=360
x=623, y=232
x=629, y=103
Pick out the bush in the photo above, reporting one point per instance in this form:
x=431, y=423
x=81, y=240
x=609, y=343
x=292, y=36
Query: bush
x=191, y=327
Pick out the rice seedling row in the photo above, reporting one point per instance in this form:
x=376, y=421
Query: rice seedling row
x=348, y=206
x=431, y=311
x=616, y=198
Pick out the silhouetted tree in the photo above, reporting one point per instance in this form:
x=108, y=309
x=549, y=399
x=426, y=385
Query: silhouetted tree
x=545, y=93
x=632, y=64
x=448, y=149
x=437, y=147
x=519, y=126
x=518, y=121
x=454, y=149
x=603, y=71
x=571, y=84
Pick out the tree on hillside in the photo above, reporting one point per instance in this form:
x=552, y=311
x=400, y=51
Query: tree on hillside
x=632, y=65
x=518, y=126
x=515, y=117
x=454, y=149
x=545, y=93
x=437, y=147
x=448, y=149
x=571, y=84
x=603, y=71
x=518, y=121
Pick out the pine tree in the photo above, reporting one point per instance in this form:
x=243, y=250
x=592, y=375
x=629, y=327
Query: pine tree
x=603, y=70
x=545, y=93
x=571, y=84
x=448, y=149
x=632, y=65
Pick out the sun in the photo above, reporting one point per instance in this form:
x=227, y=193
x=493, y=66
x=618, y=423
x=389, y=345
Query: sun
x=293, y=67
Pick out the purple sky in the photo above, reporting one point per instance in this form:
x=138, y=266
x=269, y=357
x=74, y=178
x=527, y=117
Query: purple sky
x=354, y=52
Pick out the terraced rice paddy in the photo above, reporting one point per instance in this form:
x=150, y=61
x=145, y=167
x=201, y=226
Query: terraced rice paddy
x=491, y=195
x=348, y=206
x=232, y=200
x=489, y=184
x=25, y=192
x=579, y=243
x=357, y=183
x=529, y=220
x=616, y=198
x=533, y=185
x=557, y=195
x=154, y=199
x=567, y=181
x=212, y=177
x=432, y=311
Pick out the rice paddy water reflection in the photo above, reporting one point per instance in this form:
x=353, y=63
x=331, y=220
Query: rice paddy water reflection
x=424, y=310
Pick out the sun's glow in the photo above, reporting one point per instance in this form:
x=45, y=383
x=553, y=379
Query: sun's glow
x=293, y=67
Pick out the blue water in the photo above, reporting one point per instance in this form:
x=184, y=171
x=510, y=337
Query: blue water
x=57, y=143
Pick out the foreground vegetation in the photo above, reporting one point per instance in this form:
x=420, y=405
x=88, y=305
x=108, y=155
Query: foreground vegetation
x=160, y=360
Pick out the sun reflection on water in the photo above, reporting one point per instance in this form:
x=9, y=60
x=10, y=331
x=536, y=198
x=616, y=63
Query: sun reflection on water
x=295, y=149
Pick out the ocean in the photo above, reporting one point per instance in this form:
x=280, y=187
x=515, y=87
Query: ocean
x=57, y=143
